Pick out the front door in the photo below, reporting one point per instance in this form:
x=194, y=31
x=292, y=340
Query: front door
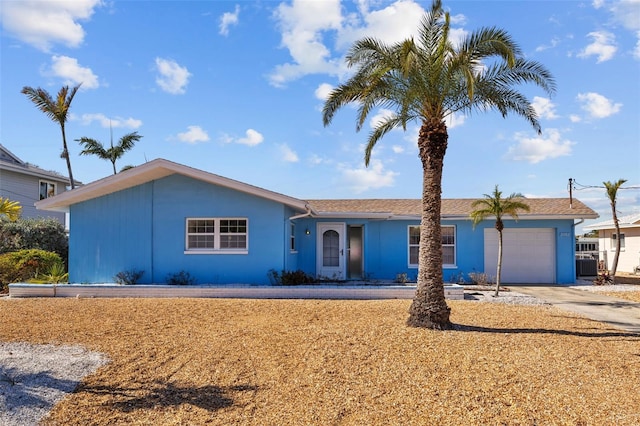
x=330, y=251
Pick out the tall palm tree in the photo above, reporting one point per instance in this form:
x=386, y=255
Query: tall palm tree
x=93, y=147
x=612, y=194
x=493, y=205
x=57, y=110
x=427, y=80
x=10, y=209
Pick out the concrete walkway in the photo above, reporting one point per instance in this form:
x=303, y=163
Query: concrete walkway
x=619, y=313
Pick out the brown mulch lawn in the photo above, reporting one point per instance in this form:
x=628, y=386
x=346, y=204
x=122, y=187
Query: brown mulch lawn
x=295, y=362
x=633, y=296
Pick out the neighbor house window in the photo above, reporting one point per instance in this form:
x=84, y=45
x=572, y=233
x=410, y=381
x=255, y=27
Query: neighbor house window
x=614, y=243
x=448, y=245
x=47, y=189
x=217, y=235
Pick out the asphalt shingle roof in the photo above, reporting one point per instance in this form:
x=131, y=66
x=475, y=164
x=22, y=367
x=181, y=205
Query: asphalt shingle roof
x=450, y=207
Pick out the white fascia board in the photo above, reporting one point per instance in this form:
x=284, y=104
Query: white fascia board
x=352, y=215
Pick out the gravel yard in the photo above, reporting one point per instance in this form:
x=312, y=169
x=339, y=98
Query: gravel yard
x=274, y=362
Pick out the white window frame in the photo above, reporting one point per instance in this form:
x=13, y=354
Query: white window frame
x=216, y=249
x=292, y=238
x=47, y=182
x=454, y=245
x=613, y=241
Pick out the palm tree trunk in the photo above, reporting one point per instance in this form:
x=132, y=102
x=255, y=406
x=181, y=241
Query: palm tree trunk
x=499, y=267
x=616, y=256
x=429, y=308
x=65, y=153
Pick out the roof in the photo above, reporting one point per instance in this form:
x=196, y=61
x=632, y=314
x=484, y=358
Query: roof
x=540, y=208
x=153, y=170
x=10, y=162
x=629, y=221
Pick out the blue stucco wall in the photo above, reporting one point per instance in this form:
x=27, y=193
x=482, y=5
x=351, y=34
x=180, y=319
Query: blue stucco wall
x=111, y=234
x=144, y=228
x=386, y=251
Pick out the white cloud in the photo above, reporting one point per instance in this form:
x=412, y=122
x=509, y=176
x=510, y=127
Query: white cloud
x=575, y=118
x=454, y=120
x=302, y=24
x=380, y=116
x=228, y=19
x=544, y=108
x=597, y=106
x=540, y=147
x=73, y=74
x=323, y=91
x=252, y=138
x=114, y=122
x=627, y=12
x=193, y=135
x=172, y=77
x=44, y=23
x=362, y=179
x=553, y=43
x=288, y=154
x=395, y=22
x=603, y=46
x=397, y=149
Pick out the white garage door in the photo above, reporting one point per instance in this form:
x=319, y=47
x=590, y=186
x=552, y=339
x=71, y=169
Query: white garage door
x=528, y=255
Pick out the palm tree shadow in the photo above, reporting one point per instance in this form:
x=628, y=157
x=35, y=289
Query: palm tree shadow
x=596, y=333
x=159, y=394
x=20, y=390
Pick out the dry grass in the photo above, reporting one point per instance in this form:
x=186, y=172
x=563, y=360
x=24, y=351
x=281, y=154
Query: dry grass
x=633, y=296
x=283, y=362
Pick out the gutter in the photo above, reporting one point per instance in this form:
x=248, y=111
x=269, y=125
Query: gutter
x=308, y=213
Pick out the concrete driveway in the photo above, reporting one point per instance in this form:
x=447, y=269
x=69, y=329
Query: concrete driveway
x=619, y=313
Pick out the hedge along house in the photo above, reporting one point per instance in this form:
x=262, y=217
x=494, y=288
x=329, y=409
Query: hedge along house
x=163, y=218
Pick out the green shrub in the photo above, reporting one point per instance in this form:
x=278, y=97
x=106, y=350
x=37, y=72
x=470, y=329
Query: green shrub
x=128, y=277
x=181, y=278
x=43, y=233
x=22, y=265
x=290, y=277
x=55, y=275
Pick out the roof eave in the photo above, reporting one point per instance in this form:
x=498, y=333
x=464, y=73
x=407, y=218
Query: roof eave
x=148, y=172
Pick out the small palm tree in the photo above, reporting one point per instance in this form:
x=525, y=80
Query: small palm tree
x=10, y=209
x=612, y=194
x=425, y=81
x=93, y=147
x=57, y=110
x=493, y=205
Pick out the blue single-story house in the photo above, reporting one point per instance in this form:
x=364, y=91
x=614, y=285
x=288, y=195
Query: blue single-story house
x=163, y=218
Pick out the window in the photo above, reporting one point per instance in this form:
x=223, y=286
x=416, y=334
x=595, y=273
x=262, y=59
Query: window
x=211, y=235
x=448, y=235
x=292, y=238
x=614, y=244
x=47, y=189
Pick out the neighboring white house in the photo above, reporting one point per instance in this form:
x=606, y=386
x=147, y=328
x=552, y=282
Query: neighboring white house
x=629, y=259
x=587, y=248
x=26, y=184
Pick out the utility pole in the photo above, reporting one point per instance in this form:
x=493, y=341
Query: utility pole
x=570, y=193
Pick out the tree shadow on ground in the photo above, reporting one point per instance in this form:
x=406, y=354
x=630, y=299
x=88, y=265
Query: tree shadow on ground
x=159, y=394
x=596, y=333
x=20, y=390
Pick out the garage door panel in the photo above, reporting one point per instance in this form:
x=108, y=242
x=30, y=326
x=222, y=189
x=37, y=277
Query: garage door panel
x=528, y=254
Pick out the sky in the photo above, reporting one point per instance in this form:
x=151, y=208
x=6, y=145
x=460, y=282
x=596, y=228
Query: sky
x=236, y=88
